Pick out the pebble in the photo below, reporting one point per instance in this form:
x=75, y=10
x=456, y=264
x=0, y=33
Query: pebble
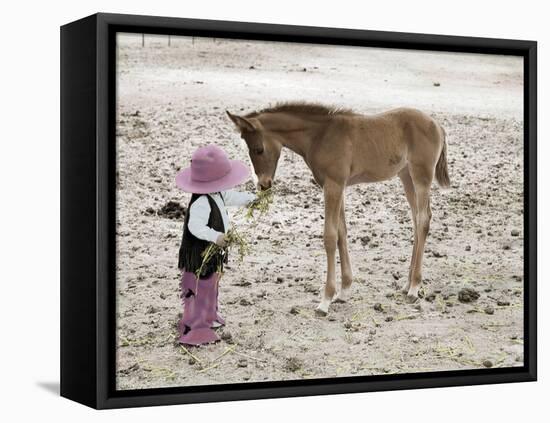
x=294, y=310
x=489, y=310
x=152, y=310
x=293, y=364
x=488, y=363
x=279, y=280
x=503, y=302
x=514, y=232
x=468, y=248
x=227, y=337
x=378, y=307
x=365, y=240
x=467, y=295
x=242, y=363
x=430, y=297
x=245, y=302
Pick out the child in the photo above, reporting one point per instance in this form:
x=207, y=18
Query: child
x=211, y=173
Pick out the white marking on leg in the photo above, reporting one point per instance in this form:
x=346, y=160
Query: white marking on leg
x=413, y=292
x=343, y=295
x=322, y=308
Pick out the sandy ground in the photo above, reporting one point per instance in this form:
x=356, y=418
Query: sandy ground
x=171, y=100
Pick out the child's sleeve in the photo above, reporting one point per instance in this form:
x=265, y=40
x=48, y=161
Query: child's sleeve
x=198, y=220
x=237, y=199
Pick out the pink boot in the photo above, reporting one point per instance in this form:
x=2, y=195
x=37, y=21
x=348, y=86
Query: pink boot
x=217, y=319
x=198, y=308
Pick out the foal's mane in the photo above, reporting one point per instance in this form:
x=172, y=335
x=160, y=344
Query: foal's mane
x=302, y=107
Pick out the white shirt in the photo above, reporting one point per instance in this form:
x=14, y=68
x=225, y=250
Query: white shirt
x=200, y=212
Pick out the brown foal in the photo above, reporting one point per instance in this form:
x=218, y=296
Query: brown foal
x=343, y=148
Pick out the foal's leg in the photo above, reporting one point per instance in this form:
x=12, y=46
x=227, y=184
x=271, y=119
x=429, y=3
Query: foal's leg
x=345, y=263
x=422, y=180
x=333, y=199
x=410, y=193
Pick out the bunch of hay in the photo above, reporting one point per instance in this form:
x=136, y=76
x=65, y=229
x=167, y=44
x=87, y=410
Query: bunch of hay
x=234, y=240
x=261, y=204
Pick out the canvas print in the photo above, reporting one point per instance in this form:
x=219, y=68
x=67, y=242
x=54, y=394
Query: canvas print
x=290, y=211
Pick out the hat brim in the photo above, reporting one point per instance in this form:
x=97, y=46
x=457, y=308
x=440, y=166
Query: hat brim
x=237, y=175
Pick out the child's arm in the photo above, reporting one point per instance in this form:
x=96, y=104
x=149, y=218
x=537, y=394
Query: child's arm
x=198, y=221
x=237, y=199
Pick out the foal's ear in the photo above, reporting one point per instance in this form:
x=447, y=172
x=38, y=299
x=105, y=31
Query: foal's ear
x=242, y=123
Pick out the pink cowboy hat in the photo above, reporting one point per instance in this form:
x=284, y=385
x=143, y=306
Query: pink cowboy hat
x=211, y=171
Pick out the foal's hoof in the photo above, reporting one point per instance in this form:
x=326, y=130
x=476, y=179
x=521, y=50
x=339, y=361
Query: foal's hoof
x=342, y=296
x=405, y=288
x=412, y=295
x=320, y=313
x=322, y=309
x=411, y=299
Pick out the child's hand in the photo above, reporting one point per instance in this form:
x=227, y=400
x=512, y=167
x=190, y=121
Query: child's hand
x=221, y=241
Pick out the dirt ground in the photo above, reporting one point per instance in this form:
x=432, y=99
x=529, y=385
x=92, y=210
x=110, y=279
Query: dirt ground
x=172, y=99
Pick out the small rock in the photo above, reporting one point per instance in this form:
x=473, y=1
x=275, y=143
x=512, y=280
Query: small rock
x=514, y=232
x=437, y=84
x=150, y=211
x=506, y=247
x=488, y=363
x=467, y=295
x=279, y=280
x=502, y=302
x=389, y=318
x=430, y=297
x=365, y=240
x=172, y=210
x=152, y=310
x=378, y=307
x=227, y=337
x=294, y=310
x=293, y=364
x=468, y=248
x=242, y=363
x=347, y=325
x=489, y=310
x=245, y=302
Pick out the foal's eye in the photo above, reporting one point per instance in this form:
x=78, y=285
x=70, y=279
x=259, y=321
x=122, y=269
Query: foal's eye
x=258, y=151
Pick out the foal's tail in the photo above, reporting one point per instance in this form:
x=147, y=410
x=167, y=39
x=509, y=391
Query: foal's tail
x=441, y=170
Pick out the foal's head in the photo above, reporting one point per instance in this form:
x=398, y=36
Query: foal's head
x=263, y=148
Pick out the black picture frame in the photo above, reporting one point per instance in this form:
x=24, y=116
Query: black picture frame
x=88, y=219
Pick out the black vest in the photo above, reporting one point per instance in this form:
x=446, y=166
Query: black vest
x=192, y=247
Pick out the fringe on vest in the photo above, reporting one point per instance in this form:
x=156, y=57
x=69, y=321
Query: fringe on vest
x=191, y=248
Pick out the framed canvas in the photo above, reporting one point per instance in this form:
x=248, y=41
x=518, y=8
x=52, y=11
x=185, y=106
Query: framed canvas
x=258, y=211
